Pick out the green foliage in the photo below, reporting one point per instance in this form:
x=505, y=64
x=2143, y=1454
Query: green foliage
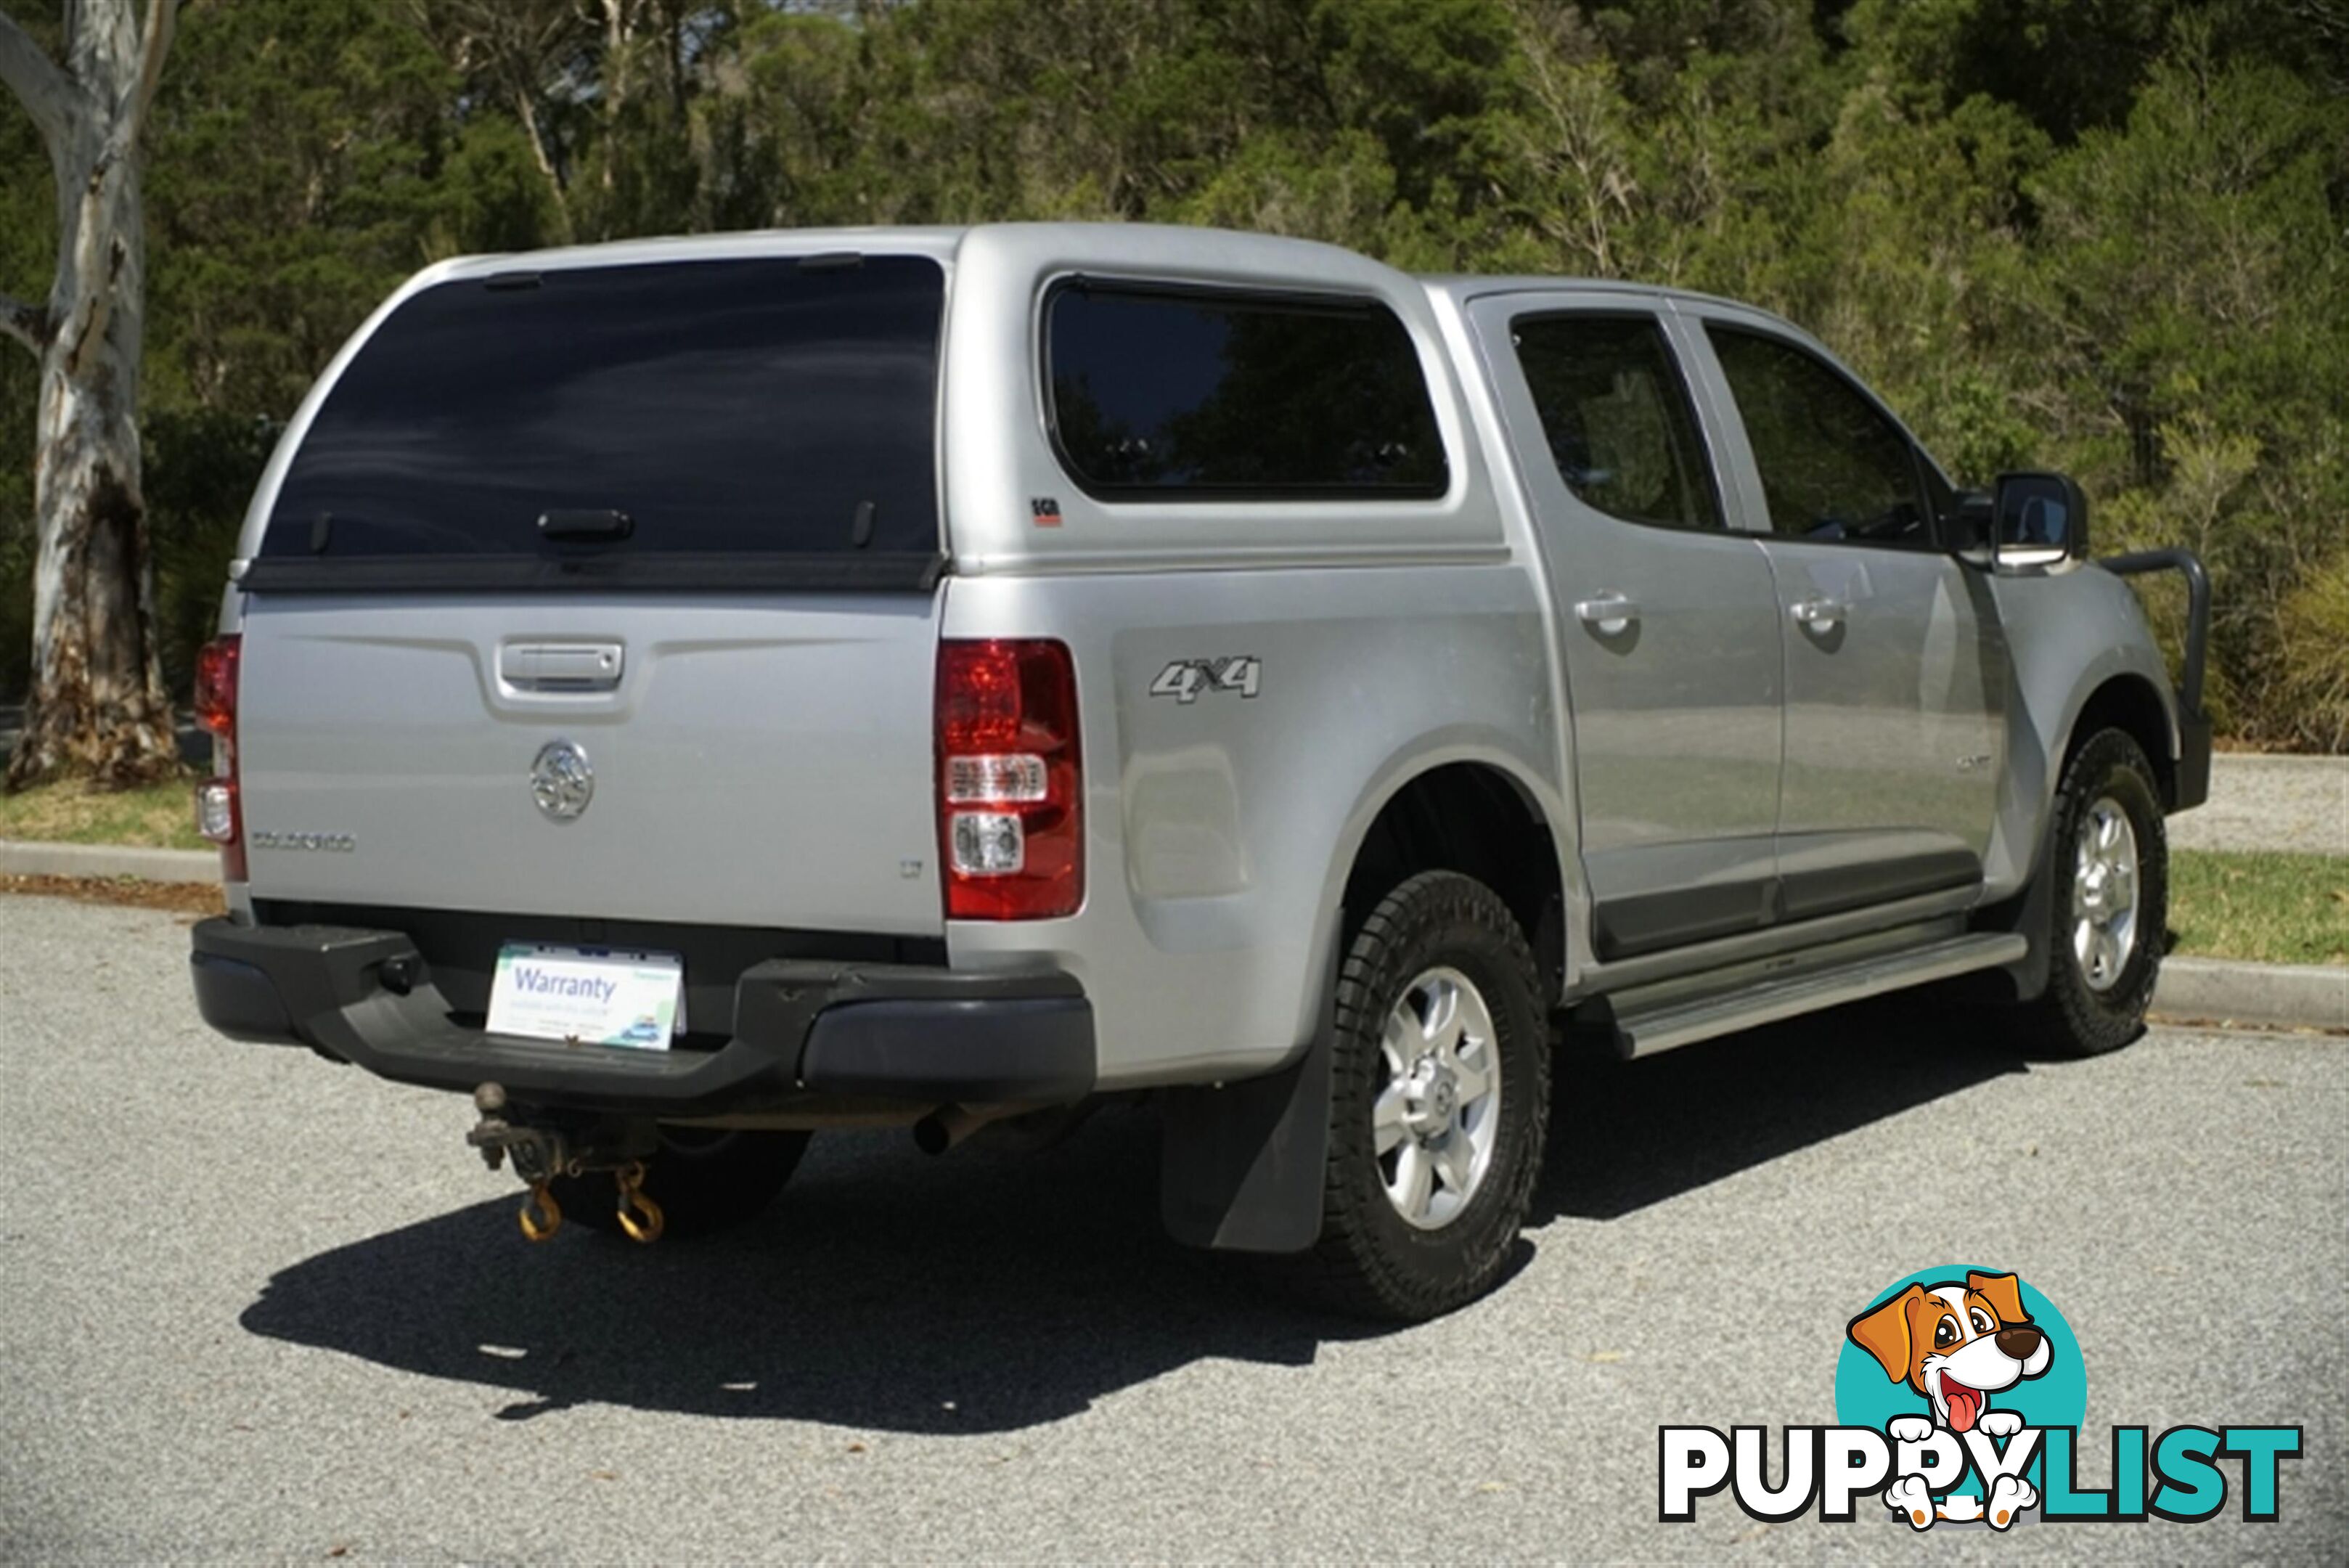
x=2102, y=235
x=200, y=466
x=2195, y=294
x=28, y=243
x=295, y=166
x=2312, y=655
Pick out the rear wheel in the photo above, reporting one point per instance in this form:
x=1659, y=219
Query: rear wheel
x=2109, y=898
x=1439, y=1104
x=705, y=1179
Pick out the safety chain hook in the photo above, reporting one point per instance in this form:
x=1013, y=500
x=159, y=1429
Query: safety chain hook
x=541, y=1215
x=640, y=1217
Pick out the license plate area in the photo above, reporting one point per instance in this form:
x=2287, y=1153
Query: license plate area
x=588, y=995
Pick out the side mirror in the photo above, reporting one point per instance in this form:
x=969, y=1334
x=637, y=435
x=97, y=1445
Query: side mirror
x=2037, y=520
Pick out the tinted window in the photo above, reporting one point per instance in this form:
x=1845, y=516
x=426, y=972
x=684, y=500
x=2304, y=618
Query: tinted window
x=1617, y=417
x=1832, y=466
x=724, y=406
x=1159, y=392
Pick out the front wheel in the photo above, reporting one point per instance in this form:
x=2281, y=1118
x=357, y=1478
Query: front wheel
x=1439, y=1103
x=2108, y=862
x=705, y=1179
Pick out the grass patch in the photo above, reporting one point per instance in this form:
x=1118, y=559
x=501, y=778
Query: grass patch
x=160, y=816
x=2268, y=907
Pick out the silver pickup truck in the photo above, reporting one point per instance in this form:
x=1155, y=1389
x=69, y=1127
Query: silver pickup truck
x=690, y=694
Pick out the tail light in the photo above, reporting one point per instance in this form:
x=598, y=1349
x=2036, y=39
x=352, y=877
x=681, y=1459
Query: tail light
x=219, y=814
x=1010, y=817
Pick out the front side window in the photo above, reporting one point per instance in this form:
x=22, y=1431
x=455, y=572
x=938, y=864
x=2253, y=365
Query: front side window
x=1833, y=467
x=1179, y=393
x=1617, y=417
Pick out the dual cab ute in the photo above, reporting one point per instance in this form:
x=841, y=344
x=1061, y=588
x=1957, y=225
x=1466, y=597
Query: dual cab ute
x=691, y=694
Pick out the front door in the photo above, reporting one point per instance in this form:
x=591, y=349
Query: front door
x=1667, y=620
x=1895, y=665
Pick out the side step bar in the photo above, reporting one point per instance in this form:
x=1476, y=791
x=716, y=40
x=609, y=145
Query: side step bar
x=1643, y=1031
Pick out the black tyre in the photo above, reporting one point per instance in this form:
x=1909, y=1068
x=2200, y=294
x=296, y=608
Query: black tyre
x=1439, y=1104
x=705, y=1179
x=2108, y=862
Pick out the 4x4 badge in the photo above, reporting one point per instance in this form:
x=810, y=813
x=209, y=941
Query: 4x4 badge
x=1186, y=677
x=561, y=780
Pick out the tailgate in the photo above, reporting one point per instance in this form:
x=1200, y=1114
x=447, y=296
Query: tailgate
x=757, y=762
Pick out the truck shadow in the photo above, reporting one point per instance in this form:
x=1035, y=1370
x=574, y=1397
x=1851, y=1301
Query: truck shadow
x=990, y=1291
x=1624, y=1135
x=982, y=1292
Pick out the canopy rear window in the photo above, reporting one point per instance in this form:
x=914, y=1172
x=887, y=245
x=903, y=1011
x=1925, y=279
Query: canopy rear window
x=647, y=422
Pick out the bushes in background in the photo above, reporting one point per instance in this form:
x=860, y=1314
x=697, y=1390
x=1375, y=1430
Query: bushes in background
x=2102, y=235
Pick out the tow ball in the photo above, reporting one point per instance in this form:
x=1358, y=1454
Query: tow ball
x=541, y=1154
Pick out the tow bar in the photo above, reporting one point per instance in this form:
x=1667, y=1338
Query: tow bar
x=541, y=1154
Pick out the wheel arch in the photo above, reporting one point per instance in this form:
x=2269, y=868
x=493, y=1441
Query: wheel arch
x=2132, y=704
x=2126, y=700
x=1242, y=1164
x=1474, y=813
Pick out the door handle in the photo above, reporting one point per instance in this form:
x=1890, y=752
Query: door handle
x=1819, y=614
x=1611, y=612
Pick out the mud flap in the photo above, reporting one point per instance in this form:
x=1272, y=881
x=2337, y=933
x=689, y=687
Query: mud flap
x=2030, y=912
x=1241, y=1166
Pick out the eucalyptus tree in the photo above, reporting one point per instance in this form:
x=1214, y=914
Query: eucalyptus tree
x=96, y=704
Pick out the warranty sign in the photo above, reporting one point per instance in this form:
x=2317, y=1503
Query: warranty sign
x=596, y=996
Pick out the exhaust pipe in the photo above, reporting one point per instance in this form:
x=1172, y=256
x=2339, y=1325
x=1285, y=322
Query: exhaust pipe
x=949, y=1124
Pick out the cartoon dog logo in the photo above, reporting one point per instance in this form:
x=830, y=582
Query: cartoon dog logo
x=1956, y=1345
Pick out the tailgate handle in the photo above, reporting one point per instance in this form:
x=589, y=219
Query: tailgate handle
x=560, y=666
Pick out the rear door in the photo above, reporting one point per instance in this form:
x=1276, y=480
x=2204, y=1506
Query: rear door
x=1667, y=620
x=1895, y=665
x=611, y=591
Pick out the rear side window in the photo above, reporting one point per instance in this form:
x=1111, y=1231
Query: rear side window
x=747, y=408
x=1833, y=468
x=1616, y=416
x=1165, y=393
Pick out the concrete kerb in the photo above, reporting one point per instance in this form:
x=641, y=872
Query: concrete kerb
x=2224, y=990
x=20, y=857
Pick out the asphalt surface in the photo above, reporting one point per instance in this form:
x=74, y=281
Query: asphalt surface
x=256, y=1306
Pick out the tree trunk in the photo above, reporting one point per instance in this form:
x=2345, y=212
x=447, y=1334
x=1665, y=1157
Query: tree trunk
x=97, y=707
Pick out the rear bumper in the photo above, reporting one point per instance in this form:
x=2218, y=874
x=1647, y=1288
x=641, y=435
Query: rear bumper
x=802, y=1026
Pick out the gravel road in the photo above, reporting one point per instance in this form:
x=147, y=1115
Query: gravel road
x=2271, y=802
x=255, y=1306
